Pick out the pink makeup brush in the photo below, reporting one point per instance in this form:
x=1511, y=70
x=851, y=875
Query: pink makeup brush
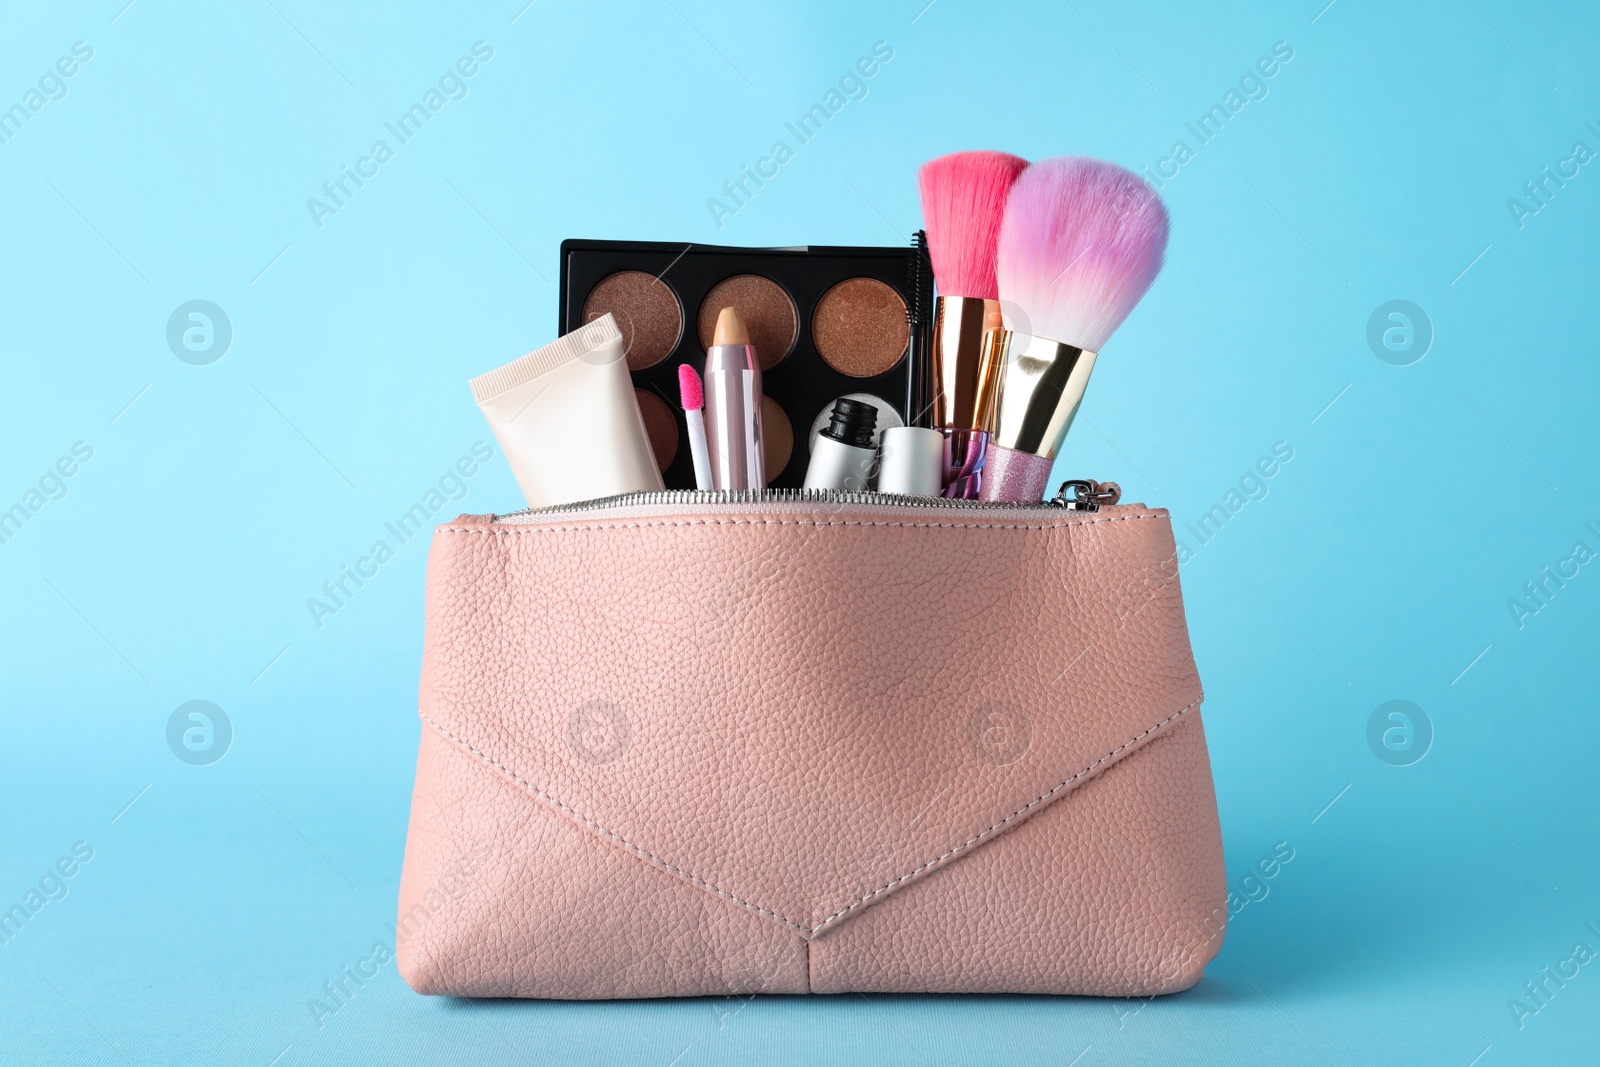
x=693, y=397
x=1079, y=246
x=963, y=199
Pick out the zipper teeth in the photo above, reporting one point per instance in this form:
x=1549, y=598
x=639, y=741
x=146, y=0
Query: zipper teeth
x=673, y=497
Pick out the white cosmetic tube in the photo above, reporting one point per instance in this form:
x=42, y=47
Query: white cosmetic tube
x=566, y=418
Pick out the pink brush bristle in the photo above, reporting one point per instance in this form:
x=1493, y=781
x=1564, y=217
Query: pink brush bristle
x=963, y=198
x=690, y=391
x=1081, y=242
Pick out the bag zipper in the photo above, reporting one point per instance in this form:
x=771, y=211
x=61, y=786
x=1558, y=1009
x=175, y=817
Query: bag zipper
x=1076, y=494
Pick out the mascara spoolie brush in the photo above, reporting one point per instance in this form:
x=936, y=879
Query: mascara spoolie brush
x=911, y=457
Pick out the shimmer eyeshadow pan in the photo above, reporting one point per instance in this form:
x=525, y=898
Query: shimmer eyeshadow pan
x=660, y=425
x=647, y=311
x=766, y=309
x=860, y=327
x=778, y=434
x=826, y=321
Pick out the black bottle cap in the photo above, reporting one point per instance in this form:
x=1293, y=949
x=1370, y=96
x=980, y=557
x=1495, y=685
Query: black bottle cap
x=853, y=422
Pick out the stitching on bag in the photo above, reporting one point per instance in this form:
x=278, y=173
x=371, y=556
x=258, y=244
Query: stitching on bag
x=831, y=919
x=1034, y=803
x=609, y=834
x=529, y=528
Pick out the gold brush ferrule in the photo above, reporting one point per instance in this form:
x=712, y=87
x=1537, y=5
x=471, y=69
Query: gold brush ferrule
x=1041, y=384
x=960, y=326
x=991, y=369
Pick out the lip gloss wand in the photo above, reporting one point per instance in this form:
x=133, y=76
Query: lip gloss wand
x=693, y=396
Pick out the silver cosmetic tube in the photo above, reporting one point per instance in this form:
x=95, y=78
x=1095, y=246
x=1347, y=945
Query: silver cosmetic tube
x=836, y=465
x=733, y=418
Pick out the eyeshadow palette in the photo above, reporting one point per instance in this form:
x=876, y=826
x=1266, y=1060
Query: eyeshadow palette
x=826, y=322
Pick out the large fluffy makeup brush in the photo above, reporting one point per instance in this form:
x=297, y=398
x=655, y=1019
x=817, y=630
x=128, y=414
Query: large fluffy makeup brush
x=1079, y=246
x=963, y=200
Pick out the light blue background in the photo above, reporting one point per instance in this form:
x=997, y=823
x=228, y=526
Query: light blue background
x=221, y=497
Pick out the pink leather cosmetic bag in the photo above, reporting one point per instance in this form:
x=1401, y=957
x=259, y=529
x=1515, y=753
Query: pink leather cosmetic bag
x=678, y=744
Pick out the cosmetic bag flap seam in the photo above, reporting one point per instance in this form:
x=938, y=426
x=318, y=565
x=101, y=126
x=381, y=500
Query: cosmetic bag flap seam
x=1017, y=816
x=1020, y=814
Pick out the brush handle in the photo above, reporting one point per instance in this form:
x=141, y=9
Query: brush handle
x=965, y=452
x=1013, y=477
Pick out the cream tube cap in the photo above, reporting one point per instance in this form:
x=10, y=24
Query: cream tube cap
x=911, y=461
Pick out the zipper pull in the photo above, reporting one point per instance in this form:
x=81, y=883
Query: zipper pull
x=1085, y=494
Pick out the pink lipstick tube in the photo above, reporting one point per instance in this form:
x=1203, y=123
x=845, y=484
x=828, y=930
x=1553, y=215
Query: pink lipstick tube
x=733, y=418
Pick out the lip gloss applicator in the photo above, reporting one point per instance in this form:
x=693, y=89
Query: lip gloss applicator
x=1080, y=245
x=693, y=397
x=963, y=199
x=733, y=407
